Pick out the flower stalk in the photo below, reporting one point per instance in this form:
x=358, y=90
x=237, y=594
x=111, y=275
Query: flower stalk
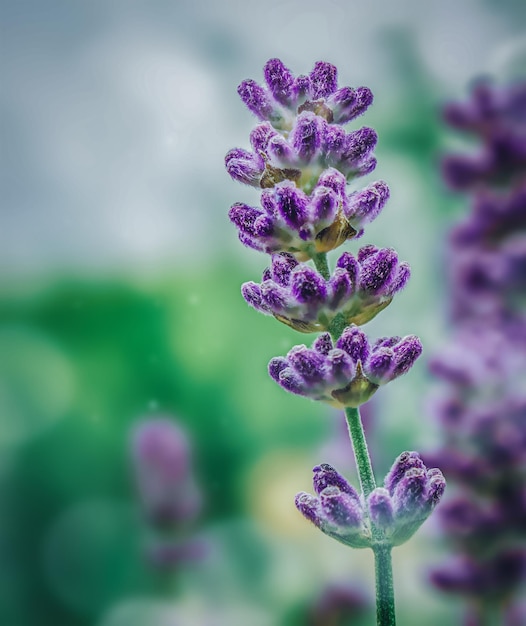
x=303, y=161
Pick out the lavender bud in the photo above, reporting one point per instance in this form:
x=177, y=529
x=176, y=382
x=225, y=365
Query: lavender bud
x=334, y=141
x=323, y=80
x=380, y=508
x=281, y=152
x=410, y=492
x=291, y=204
x=279, y=80
x=273, y=296
x=339, y=367
x=276, y=366
x=380, y=364
x=340, y=287
x=333, y=179
x=307, y=363
x=405, y=354
x=282, y=266
x=309, y=507
x=323, y=344
x=305, y=137
x=326, y=476
x=405, y=462
x=340, y=508
x=350, y=265
x=252, y=295
x=359, y=144
x=347, y=104
x=260, y=137
x=244, y=166
x=377, y=270
x=323, y=206
x=256, y=99
x=365, y=205
x=308, y=286
x=354, y=341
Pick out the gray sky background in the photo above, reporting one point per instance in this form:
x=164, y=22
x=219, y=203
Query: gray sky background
x=115, y=116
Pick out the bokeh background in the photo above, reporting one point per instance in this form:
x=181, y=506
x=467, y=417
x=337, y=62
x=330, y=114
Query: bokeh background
x=120, y=276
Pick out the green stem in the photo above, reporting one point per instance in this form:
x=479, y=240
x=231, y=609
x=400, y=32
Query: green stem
x=385, y=607
x=361, y=453
x=320, y=261
x=385, y=611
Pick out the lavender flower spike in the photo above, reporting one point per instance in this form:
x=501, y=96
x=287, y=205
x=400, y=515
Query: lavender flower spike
x=300, y=297
x=348, y=374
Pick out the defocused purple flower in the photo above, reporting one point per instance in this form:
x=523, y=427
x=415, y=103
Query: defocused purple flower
x=161, y=459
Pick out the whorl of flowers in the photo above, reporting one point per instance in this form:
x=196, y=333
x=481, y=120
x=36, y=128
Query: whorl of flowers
x=481, y=405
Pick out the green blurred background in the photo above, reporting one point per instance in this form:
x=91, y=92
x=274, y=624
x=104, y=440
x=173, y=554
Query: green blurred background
x=119, y=300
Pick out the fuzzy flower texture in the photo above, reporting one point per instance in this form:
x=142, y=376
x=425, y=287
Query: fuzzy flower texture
x=304, y=161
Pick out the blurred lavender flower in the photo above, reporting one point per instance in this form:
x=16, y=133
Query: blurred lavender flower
x=169, y=496
x=481, y=405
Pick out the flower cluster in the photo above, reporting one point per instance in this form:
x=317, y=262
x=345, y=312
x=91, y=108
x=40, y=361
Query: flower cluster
x=348, y=374
x=302, y=298
x=169, y=496
x=399, y=508
x=481, y=404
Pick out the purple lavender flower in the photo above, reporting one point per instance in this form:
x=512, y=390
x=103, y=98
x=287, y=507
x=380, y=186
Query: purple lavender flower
x=498, y=117
x=481, y=405
x=160, y=454
x=411, y=493
x=350, y=372
x=300, y=297
x=292, y=221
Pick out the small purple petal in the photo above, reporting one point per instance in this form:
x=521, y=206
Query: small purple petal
x=340, y=287
x=377, y=271
x=305, y=137
x=255, y=98
x=410, y=493
x=326, y=476
x=359, y=144
x=301, y=87
x=291, y=204
x=244, y=166
x=324, y=80
x=403, y=273
x=307, y=286
x=276, y=366
x=406, y=461
x=282, y=266
x=339, y=367
x=252, y=294
x=323, y=344
x=244, y=217
x=333, y=179
x=365, y=205
x=309, y=507
x=274, y=297
x=307, y=363
x=279, y=80
x=349, y=107
x=281, y=152
x=380, y=364
x=350, y=265
x=341, y=508
x=354, y=342
x=260, y=137
x=406, y=353
x=324, y=204
x=380, y=508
